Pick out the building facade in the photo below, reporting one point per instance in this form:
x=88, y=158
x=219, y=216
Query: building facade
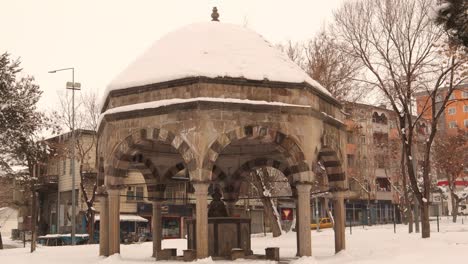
x=453, y=120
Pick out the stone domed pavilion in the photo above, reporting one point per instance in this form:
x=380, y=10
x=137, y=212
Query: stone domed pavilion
x=214, y=101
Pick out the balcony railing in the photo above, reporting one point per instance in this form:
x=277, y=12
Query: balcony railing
x=384, y=195
x=48, y=179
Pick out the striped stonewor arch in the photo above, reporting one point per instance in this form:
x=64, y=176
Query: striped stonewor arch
x=171, y=172
x=333, y=167
x=235, y=180
x=125, y=151
x=151, y=175
x=285, y=144
x=218, y=174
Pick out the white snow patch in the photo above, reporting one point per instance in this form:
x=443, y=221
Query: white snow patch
x=448, y=246
x=305, y=260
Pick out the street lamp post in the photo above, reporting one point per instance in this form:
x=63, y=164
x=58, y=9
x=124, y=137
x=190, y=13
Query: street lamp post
x=73, y=86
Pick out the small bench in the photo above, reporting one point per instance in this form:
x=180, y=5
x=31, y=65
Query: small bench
x=272, y=253
x=166, y=254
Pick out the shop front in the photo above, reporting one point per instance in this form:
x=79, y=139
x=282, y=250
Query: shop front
x=173, y=218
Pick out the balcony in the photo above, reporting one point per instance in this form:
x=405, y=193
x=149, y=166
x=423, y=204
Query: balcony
x=380, y=173
x=382, y=128
x=48, y=179
x=47, y=183
x=384, y=195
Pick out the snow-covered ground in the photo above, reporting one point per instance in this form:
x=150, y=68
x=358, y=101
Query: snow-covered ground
x=377, y=244
x=8, y=221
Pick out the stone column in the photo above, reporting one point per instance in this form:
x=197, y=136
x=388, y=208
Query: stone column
x=114, y=221
x=303, y=202
x=201, y=193
x=156, y=225
x=103, y=223
x=340, y=220
x=296, y=211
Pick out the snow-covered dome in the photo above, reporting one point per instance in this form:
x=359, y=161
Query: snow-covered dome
x=211, y=49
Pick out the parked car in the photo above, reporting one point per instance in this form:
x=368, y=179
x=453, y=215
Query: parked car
x=323, y=223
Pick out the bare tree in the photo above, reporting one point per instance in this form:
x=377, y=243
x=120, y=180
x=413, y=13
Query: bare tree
x=329, y=64
x=87, y=112
x=294, y=50
x=264, y=181
x=396, y=42
x=326, y=62
x=450, y=156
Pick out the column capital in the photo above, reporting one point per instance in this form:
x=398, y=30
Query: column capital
x=201, y=187
x=114, y=191
x=303, y=187
x=303, y=177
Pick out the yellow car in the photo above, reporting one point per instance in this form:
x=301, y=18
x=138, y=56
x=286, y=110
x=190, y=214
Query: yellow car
x=324, y=223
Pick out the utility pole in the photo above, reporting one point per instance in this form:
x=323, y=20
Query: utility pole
x=72, y=86
x=34, y=211
x=317, y=217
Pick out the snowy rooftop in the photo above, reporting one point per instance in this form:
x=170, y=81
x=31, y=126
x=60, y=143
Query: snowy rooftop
x=211, y=49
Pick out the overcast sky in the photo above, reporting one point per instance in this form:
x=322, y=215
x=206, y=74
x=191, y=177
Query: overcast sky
x=100, y=38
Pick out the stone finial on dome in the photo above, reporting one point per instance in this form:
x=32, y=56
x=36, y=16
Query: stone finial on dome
x=215, y=14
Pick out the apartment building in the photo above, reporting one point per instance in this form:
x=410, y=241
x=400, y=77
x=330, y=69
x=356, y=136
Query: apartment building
x=456, y=113
x=373, y=152
x=454, y=118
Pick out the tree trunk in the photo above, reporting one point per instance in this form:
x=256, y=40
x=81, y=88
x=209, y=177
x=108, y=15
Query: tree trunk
x=33, y=220
x=274, y=221
x=1, y=242
x=268, y=204
x=409, y=213
x=426, y=227
x=455, y=203
x=369, y=218
x=416, y=216
x=90, y=225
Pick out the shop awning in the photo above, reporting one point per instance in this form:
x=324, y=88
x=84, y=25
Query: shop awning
x=126, y=218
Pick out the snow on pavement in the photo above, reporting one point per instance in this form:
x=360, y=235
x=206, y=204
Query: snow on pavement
x=377, y=244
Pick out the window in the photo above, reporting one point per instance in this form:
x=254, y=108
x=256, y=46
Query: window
x=135, y=193
x=363, y=139
x=350, y=138
x=465, y=94
x=452, y=96
x=350, y=160
x=452, y=110
x=465, y=108
x=130, y=194
x=452, y=124
x=71, y=167
x=139, y=193
x=465, y=122
x=64, y=169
